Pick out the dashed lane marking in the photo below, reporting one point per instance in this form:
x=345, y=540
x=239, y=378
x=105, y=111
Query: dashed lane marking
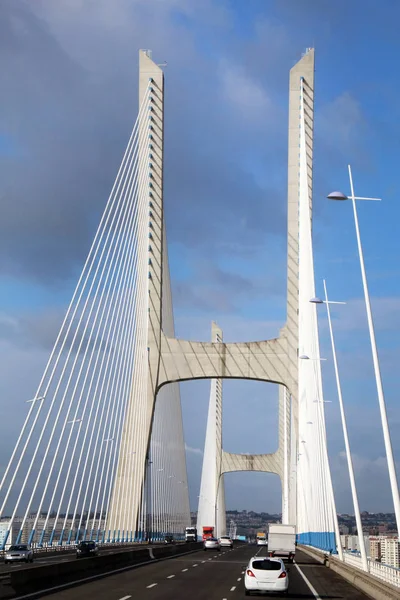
x=195, y=565
x=148, y=586
x=125, y=598
x=239, y=579
x=184, y=570
x=233, y=588
x=170, y=576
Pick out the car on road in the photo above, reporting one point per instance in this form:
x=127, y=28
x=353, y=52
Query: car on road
x=88, y=548
x=212, y=544
x=19, y=553
x=225, y=541
x=266, y=575
x=169, y=539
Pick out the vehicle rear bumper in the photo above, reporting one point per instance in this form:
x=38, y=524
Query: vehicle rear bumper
x=266, y=586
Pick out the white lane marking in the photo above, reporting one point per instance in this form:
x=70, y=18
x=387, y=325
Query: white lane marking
x=170, y=576
x=242, y=572
x=126, y=597
x=311, y=587
x=148, y=586
x=239, y=578
x=184, y=570
x=203, y=561
x=210, y=559
x=195, y=565
x=233, y=588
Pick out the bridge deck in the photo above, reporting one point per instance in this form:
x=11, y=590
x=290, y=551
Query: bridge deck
x=209, y=576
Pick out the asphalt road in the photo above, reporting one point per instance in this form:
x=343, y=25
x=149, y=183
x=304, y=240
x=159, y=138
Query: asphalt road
x=209, y=576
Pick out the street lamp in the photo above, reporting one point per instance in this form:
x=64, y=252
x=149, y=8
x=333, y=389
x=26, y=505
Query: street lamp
x=306, y=357
x=382, y=406
x=322, y=401
x=345, y=433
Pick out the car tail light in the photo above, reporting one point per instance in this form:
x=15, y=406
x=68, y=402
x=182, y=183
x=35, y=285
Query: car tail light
x=282, y=575
x=250, y=573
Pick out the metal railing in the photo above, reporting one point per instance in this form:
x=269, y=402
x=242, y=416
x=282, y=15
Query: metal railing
x=381, y=571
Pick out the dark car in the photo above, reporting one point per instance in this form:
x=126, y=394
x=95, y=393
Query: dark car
x=168, y=539
x=86, y=549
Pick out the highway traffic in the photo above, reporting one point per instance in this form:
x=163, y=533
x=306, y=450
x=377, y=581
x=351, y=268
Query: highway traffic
x=207, y=576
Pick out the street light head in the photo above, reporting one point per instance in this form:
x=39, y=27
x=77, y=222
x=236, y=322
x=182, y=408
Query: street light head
x=337, y=196
x=304, y=357
x=316, y=301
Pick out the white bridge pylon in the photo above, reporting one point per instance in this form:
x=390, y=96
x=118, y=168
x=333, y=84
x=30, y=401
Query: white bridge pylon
x=101, y=452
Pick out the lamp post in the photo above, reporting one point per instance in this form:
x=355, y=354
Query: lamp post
x=381, y=398
x=345, y=433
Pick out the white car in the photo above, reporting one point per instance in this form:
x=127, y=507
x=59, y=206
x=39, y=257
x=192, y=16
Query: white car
x=266, y=575
x=262, y=541
x=225, y=541
x=19, y=553
x=212, y=544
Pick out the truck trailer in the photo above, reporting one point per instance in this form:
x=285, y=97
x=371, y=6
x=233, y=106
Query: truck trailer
x=190, y=534
x=282, y=541
x=208, y=532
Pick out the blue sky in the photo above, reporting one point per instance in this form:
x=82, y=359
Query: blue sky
x=69, y=101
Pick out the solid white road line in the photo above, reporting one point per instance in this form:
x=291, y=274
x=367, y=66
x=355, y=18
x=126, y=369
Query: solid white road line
x=148, y=586
x=311, y=587
x=170, y=576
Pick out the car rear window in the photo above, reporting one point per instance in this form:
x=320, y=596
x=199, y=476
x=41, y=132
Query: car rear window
x=267, y=565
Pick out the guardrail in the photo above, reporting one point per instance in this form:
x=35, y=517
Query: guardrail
x=72, y=546
x=381, y=587
x=385, y=572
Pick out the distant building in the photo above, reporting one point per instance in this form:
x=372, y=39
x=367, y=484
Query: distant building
x=375, y=548
x=390, y=551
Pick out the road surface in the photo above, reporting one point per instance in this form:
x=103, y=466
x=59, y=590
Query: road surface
x=209, y=576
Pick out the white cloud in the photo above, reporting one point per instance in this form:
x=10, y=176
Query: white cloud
x=191, y=450
x=246, y=94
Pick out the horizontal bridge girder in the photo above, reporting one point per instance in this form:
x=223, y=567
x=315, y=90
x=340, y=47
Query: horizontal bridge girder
x=267, y=463
x=184, y=360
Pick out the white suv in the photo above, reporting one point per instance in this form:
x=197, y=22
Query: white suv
x=225, y=541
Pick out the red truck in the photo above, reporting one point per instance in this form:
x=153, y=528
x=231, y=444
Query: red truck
x=208, y=532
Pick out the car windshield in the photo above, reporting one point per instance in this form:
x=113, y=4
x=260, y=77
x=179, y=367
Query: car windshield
x=212, y=540
x=86, y=545
x=266, y=565
x=190, y=530
x=19, y=547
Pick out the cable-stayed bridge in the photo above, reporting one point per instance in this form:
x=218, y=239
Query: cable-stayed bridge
x=101, y=452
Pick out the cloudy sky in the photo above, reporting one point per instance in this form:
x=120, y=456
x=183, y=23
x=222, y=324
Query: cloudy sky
x=69, y=98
